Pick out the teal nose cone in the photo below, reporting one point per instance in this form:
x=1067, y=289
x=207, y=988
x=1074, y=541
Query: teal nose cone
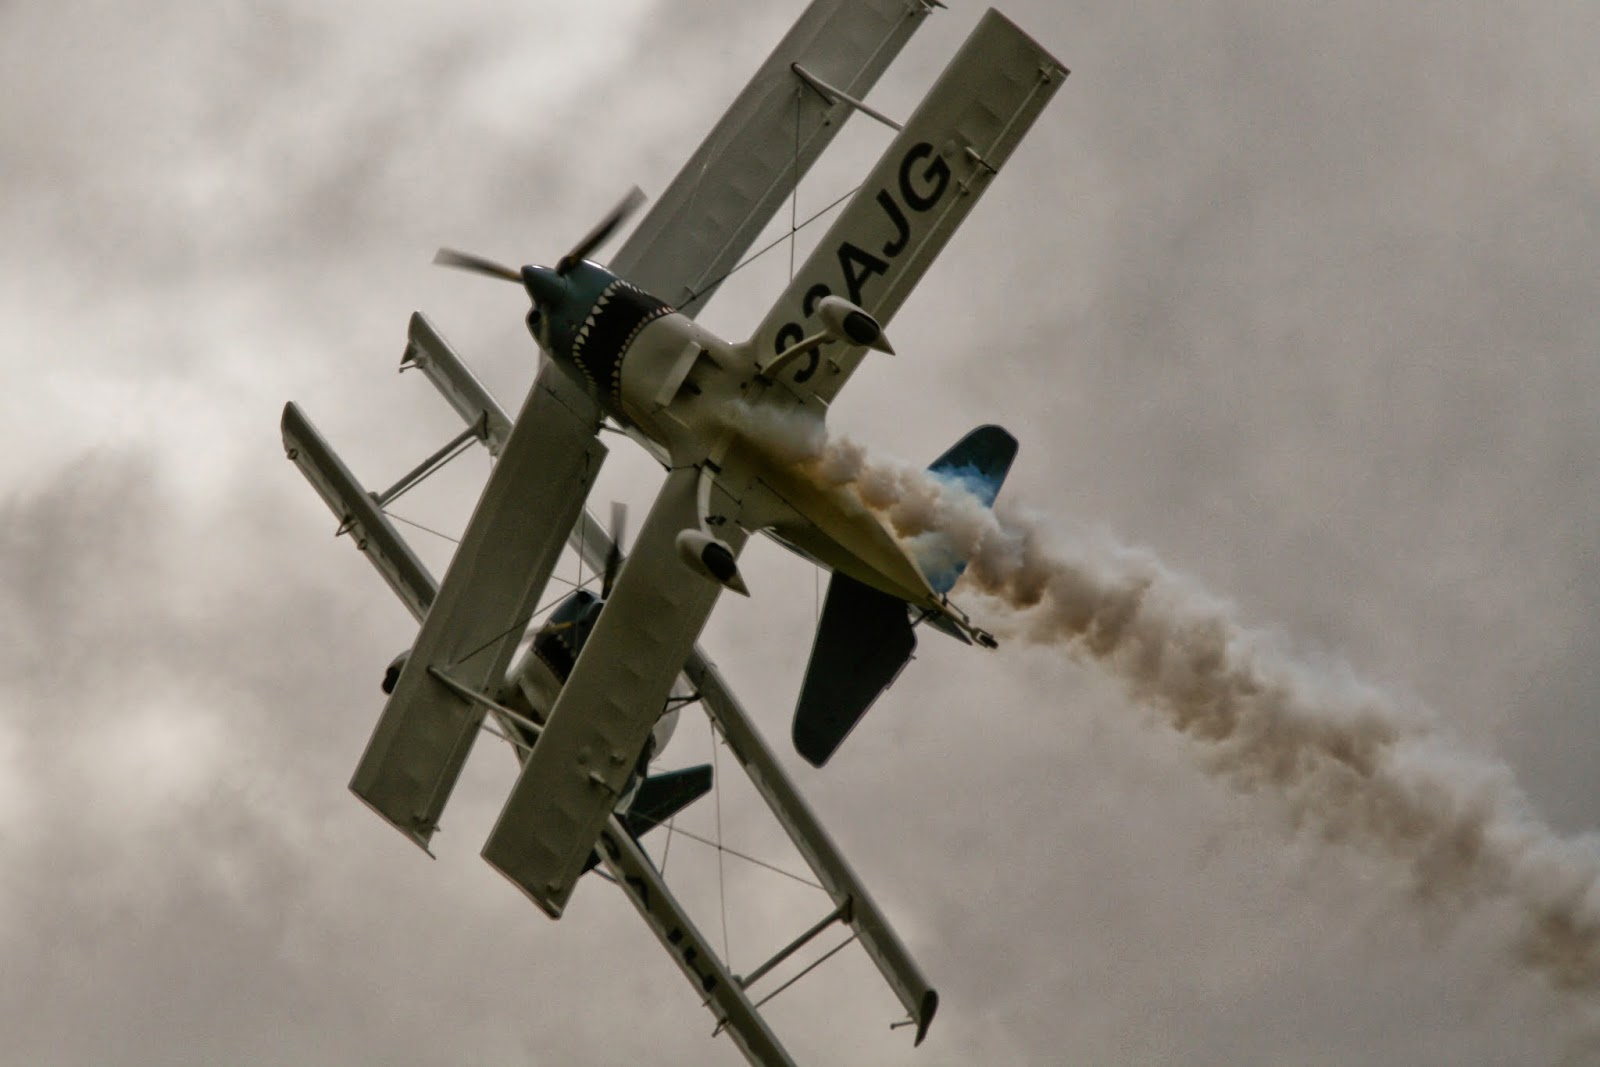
x=545, y=287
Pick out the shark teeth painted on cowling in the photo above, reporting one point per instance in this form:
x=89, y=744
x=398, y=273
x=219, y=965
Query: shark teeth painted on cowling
x=616, y=370
x=620, y=306
x=582, y=338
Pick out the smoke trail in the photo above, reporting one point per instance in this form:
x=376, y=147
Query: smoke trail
x=1351, y=762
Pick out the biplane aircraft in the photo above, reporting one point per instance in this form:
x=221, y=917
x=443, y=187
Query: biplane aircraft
x=595, y=695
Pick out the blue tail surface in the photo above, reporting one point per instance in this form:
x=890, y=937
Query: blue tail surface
x=978, y=463
x=865, y=636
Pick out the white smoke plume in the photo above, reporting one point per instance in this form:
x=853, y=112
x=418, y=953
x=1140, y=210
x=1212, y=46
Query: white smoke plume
x=1351, y=762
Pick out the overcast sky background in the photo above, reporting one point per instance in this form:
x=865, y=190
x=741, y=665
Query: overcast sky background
x=1300, y=297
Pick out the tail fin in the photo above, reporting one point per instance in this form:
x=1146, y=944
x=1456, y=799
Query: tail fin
x=978, y=463
x=865, y=637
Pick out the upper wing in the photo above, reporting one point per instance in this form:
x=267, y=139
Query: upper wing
x=597, y=729
x=707, y=218
x=919, y=192
x=534, y=495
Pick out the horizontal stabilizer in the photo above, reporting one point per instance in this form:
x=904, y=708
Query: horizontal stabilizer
x=979, y=462
x=863, y=641
x=660, y=797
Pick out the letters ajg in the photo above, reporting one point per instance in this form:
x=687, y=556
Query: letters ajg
x=924, y=177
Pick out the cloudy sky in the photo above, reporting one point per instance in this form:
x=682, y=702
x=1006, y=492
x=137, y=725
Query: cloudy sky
x=1301, y=299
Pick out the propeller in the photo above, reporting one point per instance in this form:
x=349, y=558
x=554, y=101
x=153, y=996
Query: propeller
x=449, y=257
x=596, y=237
x=619, y=529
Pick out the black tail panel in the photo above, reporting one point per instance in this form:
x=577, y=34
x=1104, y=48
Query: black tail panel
x=661, y=796
x=863, y=640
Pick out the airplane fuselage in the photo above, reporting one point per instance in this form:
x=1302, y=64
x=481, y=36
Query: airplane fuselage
x=695, y=399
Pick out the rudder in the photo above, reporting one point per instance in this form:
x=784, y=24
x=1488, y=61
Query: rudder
x=978, y=463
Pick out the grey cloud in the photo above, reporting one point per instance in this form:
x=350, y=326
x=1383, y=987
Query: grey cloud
x=1302, y=300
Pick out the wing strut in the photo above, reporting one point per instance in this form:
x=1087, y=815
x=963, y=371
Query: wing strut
x=701, y=225
x=832, y=95
x=916, y=196
x=358, y=513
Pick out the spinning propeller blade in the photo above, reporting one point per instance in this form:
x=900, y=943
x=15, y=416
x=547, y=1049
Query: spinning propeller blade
x=449, y=257
x=597, y=236
x=619, y=529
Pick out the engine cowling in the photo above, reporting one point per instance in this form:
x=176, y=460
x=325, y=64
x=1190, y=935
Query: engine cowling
x=671, y=360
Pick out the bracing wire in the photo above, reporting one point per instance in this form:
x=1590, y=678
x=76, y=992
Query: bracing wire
x=425, y=529
x=522, y=624
x=736, y=854
x=794, y=193
x=769, y=246
x=722, y=892
x=794, y=230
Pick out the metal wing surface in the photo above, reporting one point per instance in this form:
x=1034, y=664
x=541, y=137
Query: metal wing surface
x=512, y=543
x=598, y=727
x=720, y=990
x=427, y=350
x=697, y=230
x=916, y=196
x=358, y=513
x=813, y=842
x=794, y=814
